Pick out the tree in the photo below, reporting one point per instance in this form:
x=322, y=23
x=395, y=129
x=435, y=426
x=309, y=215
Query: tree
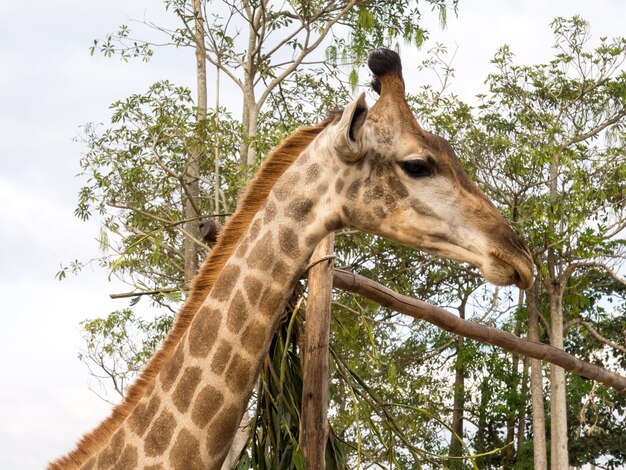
x=278, y=64
x=149, y=175
x=546, y=144
x=534, y=120
x=559, y=131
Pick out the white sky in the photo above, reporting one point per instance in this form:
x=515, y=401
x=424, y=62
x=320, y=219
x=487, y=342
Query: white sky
x=49, y=86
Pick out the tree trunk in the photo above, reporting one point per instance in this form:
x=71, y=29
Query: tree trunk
x=247, y=156
x=191, y=178
x=253, y=122
x=456, y=448
x=536, y=384
x=482, y=433
x=559, y=457
x=314, y=422
x=245, y=130
x=509, y=453
x=521, y=425
x=216, y=148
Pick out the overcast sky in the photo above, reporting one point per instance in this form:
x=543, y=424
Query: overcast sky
x=49, y=86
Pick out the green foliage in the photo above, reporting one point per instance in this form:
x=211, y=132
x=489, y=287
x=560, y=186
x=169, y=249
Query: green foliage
x=547, y=143
x=135, y=172
x=120, y=344
x=391, y=390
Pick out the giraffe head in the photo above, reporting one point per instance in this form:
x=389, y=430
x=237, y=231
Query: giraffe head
x=397, y=180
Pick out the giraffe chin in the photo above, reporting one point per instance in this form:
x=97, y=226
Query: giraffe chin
x=508, y=272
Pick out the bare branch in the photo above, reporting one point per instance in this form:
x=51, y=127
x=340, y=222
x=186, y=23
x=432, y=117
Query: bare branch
x=125, y=295
x=596, y=130
x=172, y=223
x=596, y=335
x=307, y=49
x=442, y=318
x=217, y=63
x=590, y=264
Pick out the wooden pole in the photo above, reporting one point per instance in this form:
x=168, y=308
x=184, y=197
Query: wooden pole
x=314, y=422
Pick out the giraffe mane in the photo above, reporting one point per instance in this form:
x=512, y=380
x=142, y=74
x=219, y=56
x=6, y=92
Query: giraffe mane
x=252, y=200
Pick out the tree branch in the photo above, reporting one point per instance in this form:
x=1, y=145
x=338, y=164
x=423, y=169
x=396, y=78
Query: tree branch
x=162, y=220
x=596, y=335
x=307, y=49
x=208, y=57
x=589, y=264
x=124, y=295
x=443, y=319
x=594, y=131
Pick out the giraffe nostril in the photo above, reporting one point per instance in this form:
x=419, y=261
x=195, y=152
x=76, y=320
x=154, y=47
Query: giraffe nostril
x=523, y=272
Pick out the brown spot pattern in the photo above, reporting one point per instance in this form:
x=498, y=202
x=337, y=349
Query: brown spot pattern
x=353, y=190
x=332, y=224
x=255, y=228
x=339, y=185
x=186, y=388
x=253, y=287
x=321, y=189
x=160, y=434
x=203, y=332
x=128, y=460
x=262, y=253
x=270, y=212
x=280, y=273
x=253, y=337
x=299, y=208
x=397, y=188
x=312, y=173
x=242, y=249
x=185, y=454
x=302, y=159
x=420, y=207
x=112, y=451
x=288, y=242
x=206, y=405
x=238, y=373
x=390, y=202
x=373, y=194
x=225, y=282
x=151, y=388
x=285, y=186
x=142, y=415
x=172, y=368
x=223, y=430
x=237, y=313
x=270, y=300
x=221, y=357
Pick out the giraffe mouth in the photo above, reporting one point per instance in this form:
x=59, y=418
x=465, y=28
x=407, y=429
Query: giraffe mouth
x=504, y=270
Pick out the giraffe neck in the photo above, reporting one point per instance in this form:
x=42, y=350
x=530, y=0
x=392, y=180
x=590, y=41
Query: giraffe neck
x=188, y=419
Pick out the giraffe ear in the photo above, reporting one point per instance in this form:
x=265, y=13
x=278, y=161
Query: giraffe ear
x=349, y=139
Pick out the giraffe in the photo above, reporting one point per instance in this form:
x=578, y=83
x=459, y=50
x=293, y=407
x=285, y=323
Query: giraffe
x=375, y=170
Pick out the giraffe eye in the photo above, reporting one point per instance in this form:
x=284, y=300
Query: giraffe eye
x=416, y=168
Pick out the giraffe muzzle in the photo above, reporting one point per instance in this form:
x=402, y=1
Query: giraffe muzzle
x=509, y=269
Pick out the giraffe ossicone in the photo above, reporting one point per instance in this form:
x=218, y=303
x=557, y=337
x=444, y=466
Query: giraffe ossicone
x=372, y=169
